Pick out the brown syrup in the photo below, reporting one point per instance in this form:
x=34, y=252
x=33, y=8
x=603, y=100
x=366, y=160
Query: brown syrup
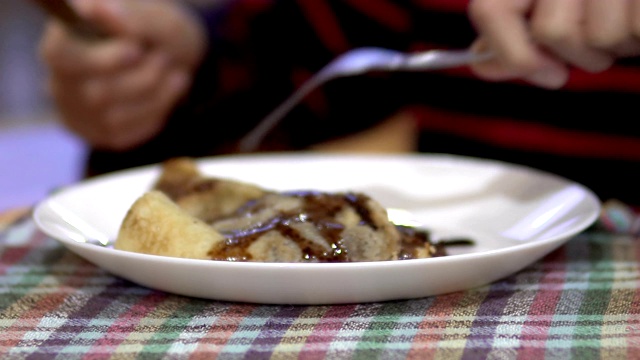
x=319, y=209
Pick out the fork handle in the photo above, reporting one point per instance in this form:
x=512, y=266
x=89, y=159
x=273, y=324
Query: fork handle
x=441, y=59
x=254, y=138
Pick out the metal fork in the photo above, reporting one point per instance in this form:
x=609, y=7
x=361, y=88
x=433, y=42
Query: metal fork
x=356, y=62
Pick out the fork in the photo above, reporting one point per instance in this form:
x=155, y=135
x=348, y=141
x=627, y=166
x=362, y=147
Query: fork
x=356, y=62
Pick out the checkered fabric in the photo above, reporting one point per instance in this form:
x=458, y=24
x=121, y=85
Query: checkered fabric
x=580, y=302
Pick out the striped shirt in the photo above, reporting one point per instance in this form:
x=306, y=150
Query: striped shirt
x=261, y=50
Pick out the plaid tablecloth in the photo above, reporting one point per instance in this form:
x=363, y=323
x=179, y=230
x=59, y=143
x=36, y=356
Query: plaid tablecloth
x=580, y=302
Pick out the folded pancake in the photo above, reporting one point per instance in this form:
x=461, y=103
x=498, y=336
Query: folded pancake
x=190, y=215
x=206, y=198
x=158, y=226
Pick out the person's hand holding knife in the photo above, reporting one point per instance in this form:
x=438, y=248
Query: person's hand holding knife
x=116, y=86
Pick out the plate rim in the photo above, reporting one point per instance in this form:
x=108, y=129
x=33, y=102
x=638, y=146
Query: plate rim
x=288, y=156
x=544, y=245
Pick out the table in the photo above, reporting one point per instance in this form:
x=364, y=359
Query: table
x=582, y=301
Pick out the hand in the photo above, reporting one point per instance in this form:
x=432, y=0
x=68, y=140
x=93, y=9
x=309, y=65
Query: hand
x=539, y=40
x=118, y=93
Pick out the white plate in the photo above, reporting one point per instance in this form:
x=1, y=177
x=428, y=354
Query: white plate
x=515, y=214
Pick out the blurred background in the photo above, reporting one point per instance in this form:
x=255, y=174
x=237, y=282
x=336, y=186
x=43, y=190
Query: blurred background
x=36, y=154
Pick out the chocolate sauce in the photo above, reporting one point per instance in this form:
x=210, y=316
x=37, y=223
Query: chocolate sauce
x=413, y=239
x=319, y=209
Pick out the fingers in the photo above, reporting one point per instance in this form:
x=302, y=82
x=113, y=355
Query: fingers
x=134, y=123
x=118, y=93
x=165, y=25
x=559, y=25
x=549, y=73
x=606, y=25
x=538, y=40
x=129, y=84
x=117, y=123
x=634, y=18
x=588, y=34
x=614, y=28
x=65, y=54
x=504, y=29
x=74, y=57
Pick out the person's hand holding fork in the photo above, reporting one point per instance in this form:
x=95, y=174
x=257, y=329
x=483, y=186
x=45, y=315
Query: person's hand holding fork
x=539, y=40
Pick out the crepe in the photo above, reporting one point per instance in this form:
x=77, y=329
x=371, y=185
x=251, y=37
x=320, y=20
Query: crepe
x=190, y=215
